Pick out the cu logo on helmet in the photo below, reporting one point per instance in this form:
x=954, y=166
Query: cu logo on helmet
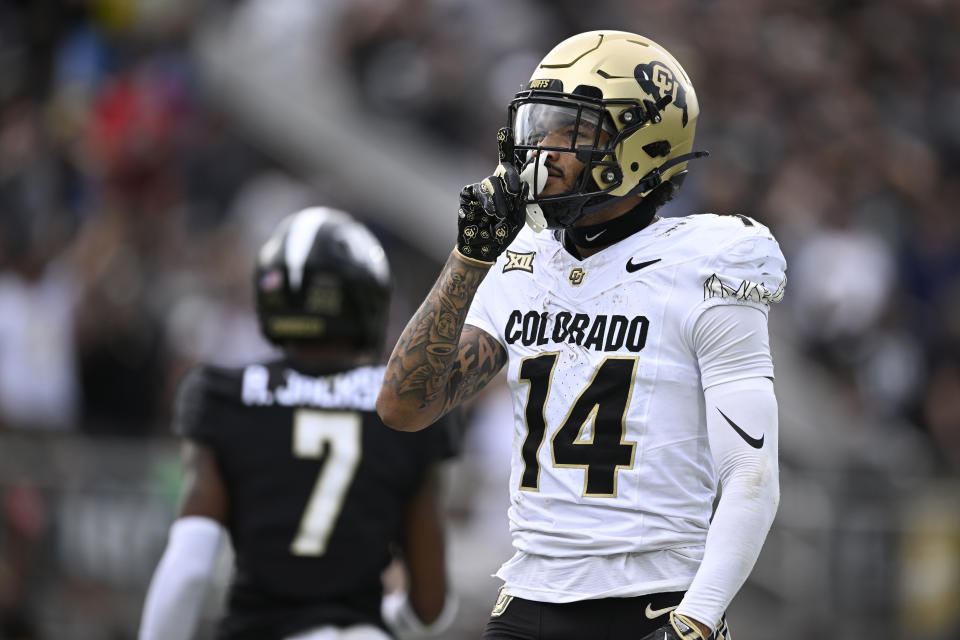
x=657, y=80
x=663, y=78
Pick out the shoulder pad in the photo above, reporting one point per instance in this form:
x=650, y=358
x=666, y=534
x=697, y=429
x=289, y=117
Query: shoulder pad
x=748, y=265
x=197, y=394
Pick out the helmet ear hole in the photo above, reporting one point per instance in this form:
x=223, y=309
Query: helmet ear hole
x=657, y=149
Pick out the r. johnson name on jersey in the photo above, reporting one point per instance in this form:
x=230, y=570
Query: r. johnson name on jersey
x=356, y=389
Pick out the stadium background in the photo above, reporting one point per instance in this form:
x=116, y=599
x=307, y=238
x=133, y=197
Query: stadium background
x=146, y=148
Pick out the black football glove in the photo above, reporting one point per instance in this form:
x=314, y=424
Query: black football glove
x=492, y=211
x=681, y=628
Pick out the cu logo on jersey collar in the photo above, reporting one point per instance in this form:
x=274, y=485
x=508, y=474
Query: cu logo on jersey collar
x=576, y=276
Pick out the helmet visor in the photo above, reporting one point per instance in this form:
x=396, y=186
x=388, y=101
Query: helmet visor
x=563, y=127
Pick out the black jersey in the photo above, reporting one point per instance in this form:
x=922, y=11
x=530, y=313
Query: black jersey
x=317, y=486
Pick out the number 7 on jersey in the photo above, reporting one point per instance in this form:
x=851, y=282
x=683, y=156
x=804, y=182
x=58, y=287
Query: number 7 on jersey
x=312, y=430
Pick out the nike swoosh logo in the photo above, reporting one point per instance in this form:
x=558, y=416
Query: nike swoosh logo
x=756, y=443
x=595, y=236
x=656, y=613
x=636, y=266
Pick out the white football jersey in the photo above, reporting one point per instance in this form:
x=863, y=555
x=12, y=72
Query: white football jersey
x=610, y=448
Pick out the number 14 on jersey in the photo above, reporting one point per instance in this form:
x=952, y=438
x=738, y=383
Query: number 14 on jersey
x=602, y=404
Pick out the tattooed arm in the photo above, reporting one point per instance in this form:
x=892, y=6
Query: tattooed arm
x=437, y=362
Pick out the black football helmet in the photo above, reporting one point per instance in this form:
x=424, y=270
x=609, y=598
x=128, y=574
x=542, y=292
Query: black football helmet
x=322, y=276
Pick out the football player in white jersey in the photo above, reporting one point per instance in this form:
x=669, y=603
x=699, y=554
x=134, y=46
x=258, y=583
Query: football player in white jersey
x=636, y=351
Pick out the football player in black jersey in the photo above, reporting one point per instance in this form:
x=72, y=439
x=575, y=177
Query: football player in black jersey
x=290, y=460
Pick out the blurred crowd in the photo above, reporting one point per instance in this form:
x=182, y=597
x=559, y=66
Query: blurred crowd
x=117, y=195
x=130, y=209
x=128, y=219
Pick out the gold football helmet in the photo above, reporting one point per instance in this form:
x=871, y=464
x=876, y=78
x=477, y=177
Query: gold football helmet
x=628, y=111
